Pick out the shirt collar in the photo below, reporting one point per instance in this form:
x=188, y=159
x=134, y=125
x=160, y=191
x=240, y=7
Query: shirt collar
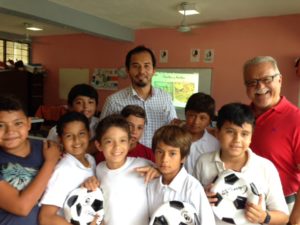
x=220, y=164
x=176, y=183
x=279, y=107
x=134, y=93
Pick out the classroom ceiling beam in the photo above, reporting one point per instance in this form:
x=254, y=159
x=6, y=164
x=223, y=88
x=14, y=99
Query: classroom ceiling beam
x=46, y=11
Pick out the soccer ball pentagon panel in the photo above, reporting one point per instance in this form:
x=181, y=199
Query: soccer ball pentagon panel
x=81, y=206
x=233, y=192
x=175, y=213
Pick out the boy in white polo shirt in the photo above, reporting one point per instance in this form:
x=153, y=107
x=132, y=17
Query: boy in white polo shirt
x=199, y=112
x=124, y=190
x=171, y=146
x=71, y=171
x=235, y=125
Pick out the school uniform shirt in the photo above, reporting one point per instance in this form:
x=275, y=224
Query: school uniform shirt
x=185, y=188
x=68, y=175
x=208, y=143
x=158, y=107
x=258, y=170
x=124, y=193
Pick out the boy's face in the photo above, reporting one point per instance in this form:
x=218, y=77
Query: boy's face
x=115, y=145
x=136, y=125
x=234, y=140
x=196, y=122
x=14, y=128
x=75, y=139
x=168, y=160
x=84, y=105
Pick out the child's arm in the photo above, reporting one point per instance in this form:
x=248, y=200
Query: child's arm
x=295, y=216
x=22, y=202
x=149, y=172
x=48, y=216
x=92, y=183
x=211, y=196
x=255, y=214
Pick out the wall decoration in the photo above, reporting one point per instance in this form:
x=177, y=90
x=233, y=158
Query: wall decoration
x=195, y=55
x=163, y=56
x=209, y=55
x=105, y=79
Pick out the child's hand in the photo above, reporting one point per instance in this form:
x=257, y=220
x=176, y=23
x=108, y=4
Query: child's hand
x=149, y=172
x=51, y=151
x=92, y=183
x=210, y=195
x=254, y=213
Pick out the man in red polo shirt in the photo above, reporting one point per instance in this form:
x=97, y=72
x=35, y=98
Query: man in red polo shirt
x=277, y=131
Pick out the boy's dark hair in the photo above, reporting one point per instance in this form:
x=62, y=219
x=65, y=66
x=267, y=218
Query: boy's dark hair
x=136, y=50
x=174, y=136
x=114, y=120
x=134, y=110
x=11, y=103
x=201, y=102
x=236, y=113
x=83, y=90
x=68, y=118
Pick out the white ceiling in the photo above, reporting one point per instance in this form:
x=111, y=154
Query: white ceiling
x=128, y=14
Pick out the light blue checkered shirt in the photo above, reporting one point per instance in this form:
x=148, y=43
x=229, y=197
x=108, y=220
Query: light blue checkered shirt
x=158, y=107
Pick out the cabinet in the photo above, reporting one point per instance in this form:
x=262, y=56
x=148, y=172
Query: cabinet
x=27, y=87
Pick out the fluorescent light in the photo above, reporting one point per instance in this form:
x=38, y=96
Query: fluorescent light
x=189, y=12
x=32, y=28
x=188, y=9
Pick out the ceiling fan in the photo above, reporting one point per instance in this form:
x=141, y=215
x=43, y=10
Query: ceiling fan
x=183, y=25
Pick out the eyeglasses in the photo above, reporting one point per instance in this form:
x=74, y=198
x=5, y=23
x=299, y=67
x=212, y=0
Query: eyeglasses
x=264, y=80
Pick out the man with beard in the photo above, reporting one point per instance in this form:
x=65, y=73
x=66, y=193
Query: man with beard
x=277, y=131
x=140, y=66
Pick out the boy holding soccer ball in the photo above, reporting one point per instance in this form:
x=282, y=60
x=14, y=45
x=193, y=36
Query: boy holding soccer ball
x=124, y=189
x=71, y=171
x=235, y=126
x=171, y=145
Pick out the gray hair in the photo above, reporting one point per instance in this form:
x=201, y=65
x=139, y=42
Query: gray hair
x=260, y=59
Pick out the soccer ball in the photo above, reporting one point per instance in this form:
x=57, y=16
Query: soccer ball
x=175, y=213
x=81, y=206
x=233, y=192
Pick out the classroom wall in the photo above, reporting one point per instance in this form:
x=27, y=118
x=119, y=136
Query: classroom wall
x=233, y=42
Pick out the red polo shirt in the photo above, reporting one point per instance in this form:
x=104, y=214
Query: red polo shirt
x=277, y=138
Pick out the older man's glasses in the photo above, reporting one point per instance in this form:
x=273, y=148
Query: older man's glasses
x=264, y=80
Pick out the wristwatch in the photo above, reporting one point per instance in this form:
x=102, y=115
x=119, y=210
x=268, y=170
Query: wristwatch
x=267, y=219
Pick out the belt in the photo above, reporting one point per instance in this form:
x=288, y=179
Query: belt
x=290, y=198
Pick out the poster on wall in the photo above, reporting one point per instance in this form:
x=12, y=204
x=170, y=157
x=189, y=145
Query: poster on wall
x=105, y=79
x=163, y=56
x=209, y=56
x=195, y=55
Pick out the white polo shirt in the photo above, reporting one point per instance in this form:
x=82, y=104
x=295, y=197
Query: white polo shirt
x=258, y=170
x=208, y=143
x=124, y=192
x=185, y=188
x=69, y=174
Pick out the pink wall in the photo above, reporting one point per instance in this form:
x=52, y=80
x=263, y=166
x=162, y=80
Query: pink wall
x=233, y=42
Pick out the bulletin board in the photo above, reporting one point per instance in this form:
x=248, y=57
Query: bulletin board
x=68, y=77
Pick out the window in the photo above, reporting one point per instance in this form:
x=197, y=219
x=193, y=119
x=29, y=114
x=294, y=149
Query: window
x=1, y=51
x=11, y=50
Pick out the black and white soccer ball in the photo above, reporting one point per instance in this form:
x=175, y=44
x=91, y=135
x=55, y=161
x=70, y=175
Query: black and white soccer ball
x=233, y=192
x=175, y=213
x=81, y=206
